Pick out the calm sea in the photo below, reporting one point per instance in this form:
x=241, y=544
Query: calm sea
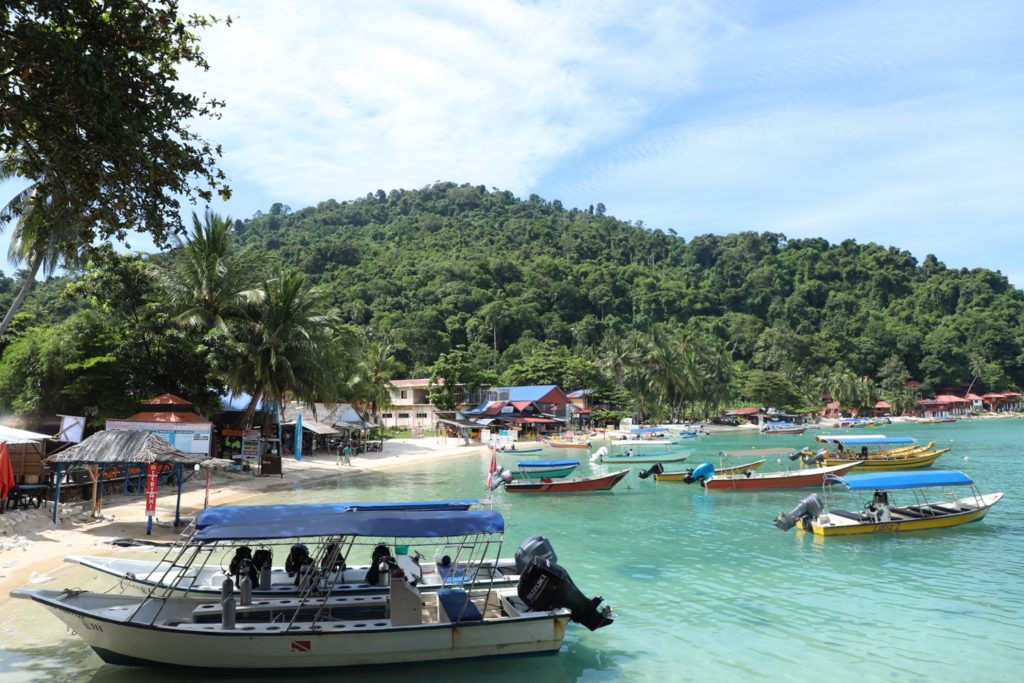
x=705, y=588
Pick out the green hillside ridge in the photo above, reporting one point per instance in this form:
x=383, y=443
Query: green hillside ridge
x=479, y=286
x=452, y=265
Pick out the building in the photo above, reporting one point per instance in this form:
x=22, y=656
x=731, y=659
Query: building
x=410, y=408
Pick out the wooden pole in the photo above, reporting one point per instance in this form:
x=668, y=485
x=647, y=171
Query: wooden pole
x=94, y=474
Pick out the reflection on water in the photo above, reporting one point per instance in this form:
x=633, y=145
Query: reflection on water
x=704, y=586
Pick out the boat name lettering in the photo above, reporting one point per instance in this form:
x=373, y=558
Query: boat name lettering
x=92, y=627
x=888, y=526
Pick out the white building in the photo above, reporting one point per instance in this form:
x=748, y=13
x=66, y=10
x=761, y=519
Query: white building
x=409, y=406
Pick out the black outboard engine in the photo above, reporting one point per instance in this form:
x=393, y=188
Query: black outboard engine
x=535, y=547
x=656, y=468
x=808, y=508
x=545, y=586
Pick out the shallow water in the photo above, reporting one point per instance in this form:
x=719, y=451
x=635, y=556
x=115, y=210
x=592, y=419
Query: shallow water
x=704, y=586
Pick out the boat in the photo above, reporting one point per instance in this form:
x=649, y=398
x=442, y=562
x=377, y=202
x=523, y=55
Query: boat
x=782, y=428
x=750, y=481
x=544, y=469
x=722, y=471
x=318, y=628
x=757, y=453
x=602, y=455
x=603, y=482
x=906, y=454
x=206, y=575
x=935, y=420
x=900, y=501
x=520, y=449
x=567, y=443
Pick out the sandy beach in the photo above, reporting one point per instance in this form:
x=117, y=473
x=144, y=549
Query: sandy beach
x=32, y=548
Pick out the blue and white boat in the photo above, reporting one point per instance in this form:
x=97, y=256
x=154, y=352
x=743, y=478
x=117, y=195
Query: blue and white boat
x=319, y=628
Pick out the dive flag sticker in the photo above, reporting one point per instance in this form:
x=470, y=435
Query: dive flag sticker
x=300, y=646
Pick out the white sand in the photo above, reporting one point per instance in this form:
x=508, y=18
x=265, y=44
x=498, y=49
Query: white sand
x=32, y=549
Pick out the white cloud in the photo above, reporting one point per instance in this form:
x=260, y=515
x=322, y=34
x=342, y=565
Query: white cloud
x=329, y=100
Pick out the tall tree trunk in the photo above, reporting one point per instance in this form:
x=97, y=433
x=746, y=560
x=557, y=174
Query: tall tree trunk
x=250, y=409
x=20, y=299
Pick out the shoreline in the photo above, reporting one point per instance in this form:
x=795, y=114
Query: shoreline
x=33, y=547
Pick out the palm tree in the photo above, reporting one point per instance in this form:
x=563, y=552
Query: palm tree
x=977, y=367
x=46, y=236
x=287, y=344
x=377, y=367
x=207, y=281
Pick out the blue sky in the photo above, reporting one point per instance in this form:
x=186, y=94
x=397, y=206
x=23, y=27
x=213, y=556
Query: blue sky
x=892, y=122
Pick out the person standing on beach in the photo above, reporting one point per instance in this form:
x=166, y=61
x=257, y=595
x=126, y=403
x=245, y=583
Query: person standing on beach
x=346, y=453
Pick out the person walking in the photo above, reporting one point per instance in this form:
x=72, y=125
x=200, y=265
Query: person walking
x=346, y=453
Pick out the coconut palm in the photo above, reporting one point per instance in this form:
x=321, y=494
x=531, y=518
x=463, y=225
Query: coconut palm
x=46, y=235
x=377, y=367
x=207, y=280
x=287, y=344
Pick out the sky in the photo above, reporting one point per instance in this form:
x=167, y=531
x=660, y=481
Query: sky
x=890, y=122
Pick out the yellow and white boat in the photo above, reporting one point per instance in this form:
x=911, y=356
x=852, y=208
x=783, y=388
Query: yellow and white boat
x=900, y=501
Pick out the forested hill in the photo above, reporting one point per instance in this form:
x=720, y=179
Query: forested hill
x=450, y=265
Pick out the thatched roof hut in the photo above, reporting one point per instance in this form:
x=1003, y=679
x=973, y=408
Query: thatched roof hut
x=123, y=447
x=111, y=448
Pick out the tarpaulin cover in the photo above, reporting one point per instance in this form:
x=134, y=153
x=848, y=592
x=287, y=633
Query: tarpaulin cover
x=334, y=519
x=903, y=480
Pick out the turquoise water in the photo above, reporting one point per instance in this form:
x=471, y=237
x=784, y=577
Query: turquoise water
x=704, y=586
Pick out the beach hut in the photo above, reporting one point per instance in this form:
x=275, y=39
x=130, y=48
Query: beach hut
x=117, y=451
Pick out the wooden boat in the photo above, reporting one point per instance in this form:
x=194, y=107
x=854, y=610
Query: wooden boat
x=603, y=482
x=935, y=420
x=905, y=453
x=544, y=469
x=602, y=455
x=890, y=462
x=732, y=469
x=562, y=443
x=782, y=428
x=513, y=448
x=318, y=628
x=812, y=476
x=900, y=501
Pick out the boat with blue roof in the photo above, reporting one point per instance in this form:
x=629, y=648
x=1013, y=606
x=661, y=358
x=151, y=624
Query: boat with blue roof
x=899, y=501
x=318, y=627
x=875, y=452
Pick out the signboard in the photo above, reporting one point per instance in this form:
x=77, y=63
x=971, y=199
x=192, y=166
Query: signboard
x=251, y=447
x=152, y=475
x=72, y=428
x=187, y=438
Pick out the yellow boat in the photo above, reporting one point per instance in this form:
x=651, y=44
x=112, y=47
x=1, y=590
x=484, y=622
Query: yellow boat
x=884, y=513
x=895, y=462
x=735, y=469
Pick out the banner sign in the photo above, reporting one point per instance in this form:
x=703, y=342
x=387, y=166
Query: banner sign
x=152, y=475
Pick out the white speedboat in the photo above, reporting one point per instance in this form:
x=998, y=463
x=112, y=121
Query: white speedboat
x=318, y=628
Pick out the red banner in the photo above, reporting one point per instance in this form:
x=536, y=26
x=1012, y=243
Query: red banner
x=152, y=474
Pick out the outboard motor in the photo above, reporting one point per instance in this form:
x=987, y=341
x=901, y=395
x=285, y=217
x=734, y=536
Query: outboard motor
x=802, y=453
x=545, y=586
x=808, y=508
x=599, y=453
x=502, y=476
x=657, y=468
x=700, y=473
x=535, y=547
x=814, y=459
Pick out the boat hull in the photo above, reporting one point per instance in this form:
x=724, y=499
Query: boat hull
x=777, y=480
x=571, y=485
x=268, y=647
x=831, y=524
x=735, y=469
x=557, y=444
x=892, y=462
x=644, y=458
x=543, y=472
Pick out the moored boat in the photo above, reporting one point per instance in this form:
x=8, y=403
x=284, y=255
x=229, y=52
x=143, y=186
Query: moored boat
x=783, y=428
x=750, y=481
x=320, y=629
x=879, y=452
x=900, y=501
x=722, y=471
x=544, y=469
x=602, y=455
x=602, y=482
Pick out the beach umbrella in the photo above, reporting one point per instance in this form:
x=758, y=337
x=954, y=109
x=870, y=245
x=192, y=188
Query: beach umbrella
x=298, y=436
x=6, y=471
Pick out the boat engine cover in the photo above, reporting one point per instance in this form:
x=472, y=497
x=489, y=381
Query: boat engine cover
x=546, y=586
x=534, y=547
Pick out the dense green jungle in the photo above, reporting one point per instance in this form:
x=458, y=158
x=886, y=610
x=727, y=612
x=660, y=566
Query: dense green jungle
x=479, y=286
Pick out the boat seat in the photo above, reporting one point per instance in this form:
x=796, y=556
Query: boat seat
x=857, y=517
x=910, y=512
x=457, y=606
